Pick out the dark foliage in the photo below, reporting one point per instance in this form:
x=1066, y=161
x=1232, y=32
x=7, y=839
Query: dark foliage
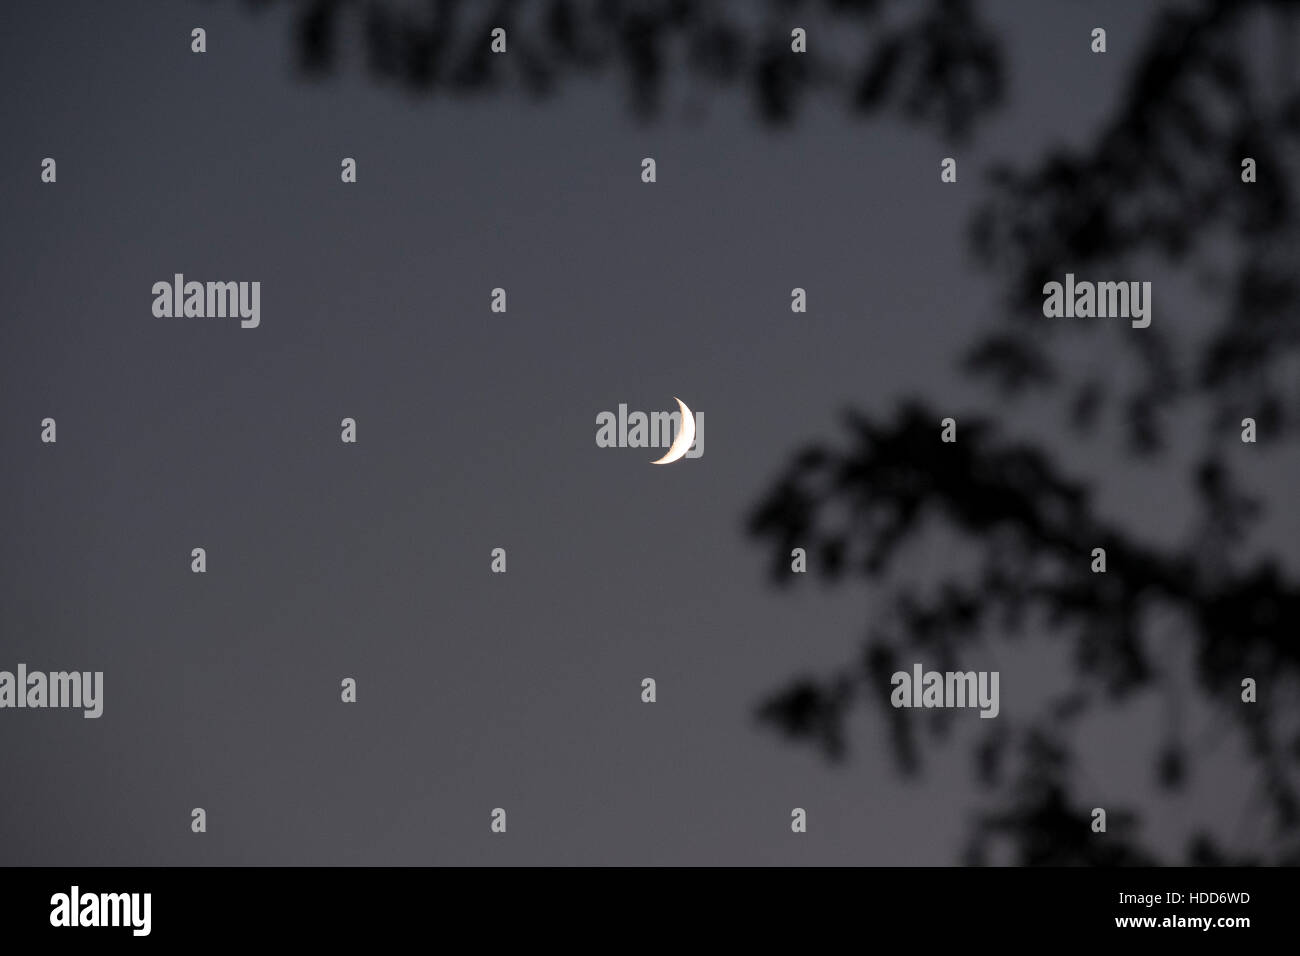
x=931, y=61
x=1163, y=180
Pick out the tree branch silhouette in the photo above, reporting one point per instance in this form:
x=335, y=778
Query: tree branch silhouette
x=1033, y=528
x=1162, y=179
x=933, y=62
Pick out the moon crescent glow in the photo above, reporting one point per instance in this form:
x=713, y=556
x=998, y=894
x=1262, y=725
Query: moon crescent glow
x=685, y=436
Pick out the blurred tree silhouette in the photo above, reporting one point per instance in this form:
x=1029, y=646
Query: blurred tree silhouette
x=932, y=61
x=1162, y=180
x=1214, y=82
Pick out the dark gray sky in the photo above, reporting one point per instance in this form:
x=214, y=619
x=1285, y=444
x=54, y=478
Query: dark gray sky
x=476, y=431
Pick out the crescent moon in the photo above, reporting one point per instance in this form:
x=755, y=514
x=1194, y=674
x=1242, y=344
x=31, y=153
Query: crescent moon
x=685, y=436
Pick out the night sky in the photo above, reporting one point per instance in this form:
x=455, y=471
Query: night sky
x=475, y=431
